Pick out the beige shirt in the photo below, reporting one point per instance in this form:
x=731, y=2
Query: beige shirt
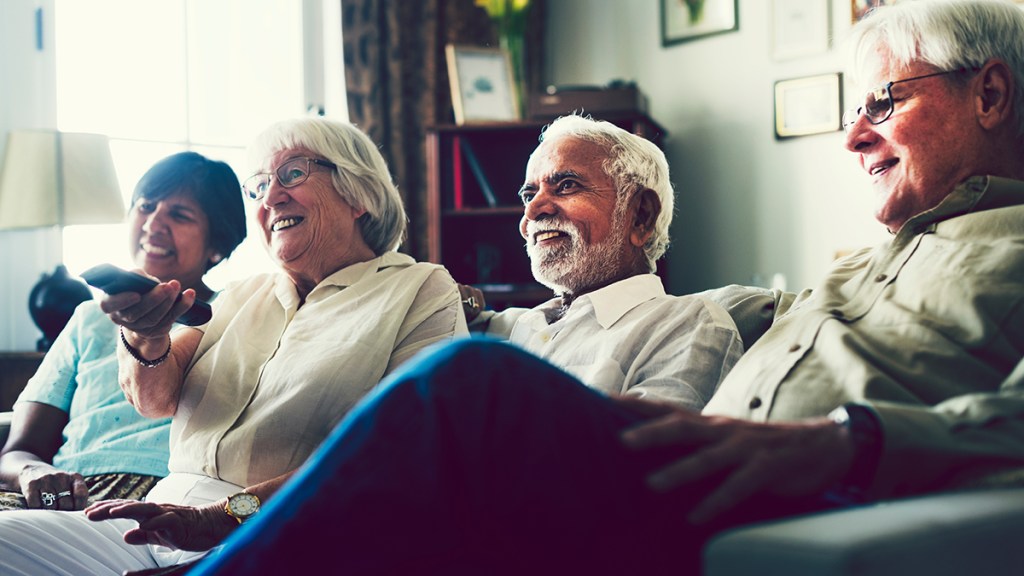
x=271, y=379
x=631, y=338
x=925, y=329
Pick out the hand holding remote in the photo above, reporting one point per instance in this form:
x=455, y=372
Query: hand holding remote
x=114, y=280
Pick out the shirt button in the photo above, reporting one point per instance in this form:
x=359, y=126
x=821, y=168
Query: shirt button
x=755, y=403
x=881, y=278
x=794, y=347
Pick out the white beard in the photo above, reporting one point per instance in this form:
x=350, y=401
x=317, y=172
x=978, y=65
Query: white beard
x=573, y=266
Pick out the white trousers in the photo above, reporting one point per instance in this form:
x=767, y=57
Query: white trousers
x=50, y=542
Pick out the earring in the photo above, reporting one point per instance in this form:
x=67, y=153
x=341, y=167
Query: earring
x=216, y=258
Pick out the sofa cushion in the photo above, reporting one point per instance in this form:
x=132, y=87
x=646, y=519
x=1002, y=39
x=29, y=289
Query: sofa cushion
x=973, y=532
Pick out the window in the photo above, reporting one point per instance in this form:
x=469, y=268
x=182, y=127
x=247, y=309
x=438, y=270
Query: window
x=162, y=76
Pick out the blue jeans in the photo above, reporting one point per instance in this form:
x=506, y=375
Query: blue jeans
x=476, y=458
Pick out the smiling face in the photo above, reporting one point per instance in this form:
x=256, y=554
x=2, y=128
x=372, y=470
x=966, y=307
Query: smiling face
x=169, y=238
x=576, y=239
x=931, y=143
x=309, y=229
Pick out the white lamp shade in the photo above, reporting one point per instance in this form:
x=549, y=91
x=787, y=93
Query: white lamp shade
x=57, y=178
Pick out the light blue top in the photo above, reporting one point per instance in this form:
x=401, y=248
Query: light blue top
x=104, y=434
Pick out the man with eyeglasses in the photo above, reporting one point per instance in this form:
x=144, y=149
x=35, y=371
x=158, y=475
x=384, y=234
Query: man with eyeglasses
x=901, y=373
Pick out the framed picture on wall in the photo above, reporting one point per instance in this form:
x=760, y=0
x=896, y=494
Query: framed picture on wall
x=810, y=105
x=482, y=84
x=800, y=28
x=860, y=8
x=686, y=20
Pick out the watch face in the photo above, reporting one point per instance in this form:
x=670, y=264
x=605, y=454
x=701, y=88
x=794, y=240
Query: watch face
x=243, y=505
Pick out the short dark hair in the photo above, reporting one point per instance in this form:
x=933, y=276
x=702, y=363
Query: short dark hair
x=213, y=185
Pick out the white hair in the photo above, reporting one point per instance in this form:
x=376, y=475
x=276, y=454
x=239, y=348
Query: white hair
x=946, y=34
x=634, y=164
x=362, y=178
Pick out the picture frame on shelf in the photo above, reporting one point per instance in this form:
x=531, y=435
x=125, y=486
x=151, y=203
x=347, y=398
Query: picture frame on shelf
x=687, y=20
x=808, y=105
x=482, y=84
x=800, y=28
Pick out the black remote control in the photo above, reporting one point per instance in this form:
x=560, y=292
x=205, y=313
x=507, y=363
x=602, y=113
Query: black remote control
x=114, y=280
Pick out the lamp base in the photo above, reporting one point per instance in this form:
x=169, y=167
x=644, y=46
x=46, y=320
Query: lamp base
x=52, y=302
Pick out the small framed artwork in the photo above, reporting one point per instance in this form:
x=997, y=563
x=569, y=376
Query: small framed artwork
x=483, y=89
x=801, y=28
x=686, y=20
x=810, y=105
x=860, y=8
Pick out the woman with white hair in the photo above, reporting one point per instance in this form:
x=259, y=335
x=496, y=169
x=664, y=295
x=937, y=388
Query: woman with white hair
x=285, y=356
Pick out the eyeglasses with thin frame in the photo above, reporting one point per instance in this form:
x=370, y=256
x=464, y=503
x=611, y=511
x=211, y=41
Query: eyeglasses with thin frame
x=878, y=102
x=293, y=172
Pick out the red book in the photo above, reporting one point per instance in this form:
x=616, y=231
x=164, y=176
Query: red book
x=457, y=172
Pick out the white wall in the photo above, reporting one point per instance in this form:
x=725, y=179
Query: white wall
x=27, y=100
x=749, y=206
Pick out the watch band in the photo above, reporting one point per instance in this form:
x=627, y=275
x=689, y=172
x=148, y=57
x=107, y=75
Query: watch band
x=865, y=430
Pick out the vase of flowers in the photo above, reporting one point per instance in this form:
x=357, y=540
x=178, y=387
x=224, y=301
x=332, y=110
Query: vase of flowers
x=510, y=18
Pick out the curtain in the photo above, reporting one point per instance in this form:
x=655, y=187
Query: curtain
x=397, y=81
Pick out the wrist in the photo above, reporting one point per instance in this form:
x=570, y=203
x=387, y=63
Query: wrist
x=148, y=352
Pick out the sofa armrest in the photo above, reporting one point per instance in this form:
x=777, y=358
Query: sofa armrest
x=5, y=426
x=975, y=532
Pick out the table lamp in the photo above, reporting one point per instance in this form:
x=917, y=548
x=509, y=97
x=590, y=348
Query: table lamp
x=53, y=178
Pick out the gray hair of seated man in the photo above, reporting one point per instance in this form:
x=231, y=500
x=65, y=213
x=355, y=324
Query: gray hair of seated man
x=634, y=164
x=946, y=34
x=362, y=177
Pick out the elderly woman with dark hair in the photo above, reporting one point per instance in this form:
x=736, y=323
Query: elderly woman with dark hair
x=75, y=438
x=284, y=358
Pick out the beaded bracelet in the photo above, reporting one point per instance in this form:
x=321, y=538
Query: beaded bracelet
x=138, y=355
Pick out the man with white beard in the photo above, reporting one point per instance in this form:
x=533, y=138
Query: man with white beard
x=597, y=207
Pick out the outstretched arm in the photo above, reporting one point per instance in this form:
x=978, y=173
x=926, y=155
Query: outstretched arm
x=151, y=364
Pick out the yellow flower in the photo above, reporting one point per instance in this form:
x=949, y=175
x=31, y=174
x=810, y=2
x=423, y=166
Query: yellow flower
x=496, y=8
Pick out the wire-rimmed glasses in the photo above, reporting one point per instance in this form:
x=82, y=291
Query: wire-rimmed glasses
x=293, y=172
x=878, y=102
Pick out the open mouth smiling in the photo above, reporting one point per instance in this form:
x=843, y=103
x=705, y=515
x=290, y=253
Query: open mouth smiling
x=547, y=235
x=155, y=250
x=881, y=167
x=285, y=223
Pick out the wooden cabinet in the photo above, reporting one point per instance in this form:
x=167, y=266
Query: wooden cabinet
x=474, y=173
x=15, y=370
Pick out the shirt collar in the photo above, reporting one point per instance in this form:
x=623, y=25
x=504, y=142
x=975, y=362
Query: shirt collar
x=976, y=194
x=285, y=290
x=613, y=301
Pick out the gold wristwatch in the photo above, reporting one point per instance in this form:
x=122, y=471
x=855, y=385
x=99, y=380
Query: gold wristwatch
x=242, y=506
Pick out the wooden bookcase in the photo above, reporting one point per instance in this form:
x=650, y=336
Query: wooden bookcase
x=474, y=173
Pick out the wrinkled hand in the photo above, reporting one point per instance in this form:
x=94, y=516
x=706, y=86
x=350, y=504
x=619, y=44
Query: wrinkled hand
x=472, y=301
x=795, y=459
x=149, y=315
x=36, y=479
x=192, y=528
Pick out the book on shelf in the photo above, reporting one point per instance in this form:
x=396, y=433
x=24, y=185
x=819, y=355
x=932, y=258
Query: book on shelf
x=478, y=171
x=456, y=172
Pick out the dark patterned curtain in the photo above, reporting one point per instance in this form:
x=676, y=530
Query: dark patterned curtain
x=397, y=80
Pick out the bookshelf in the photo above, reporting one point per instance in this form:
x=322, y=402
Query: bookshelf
x=473, y=177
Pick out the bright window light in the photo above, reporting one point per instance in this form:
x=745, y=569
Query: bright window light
x=162, y=76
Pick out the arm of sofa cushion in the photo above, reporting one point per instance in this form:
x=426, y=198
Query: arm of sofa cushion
x=975, y=532
x=5, y=426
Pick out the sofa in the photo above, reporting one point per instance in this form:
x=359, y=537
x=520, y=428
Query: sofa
x=957, y=533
